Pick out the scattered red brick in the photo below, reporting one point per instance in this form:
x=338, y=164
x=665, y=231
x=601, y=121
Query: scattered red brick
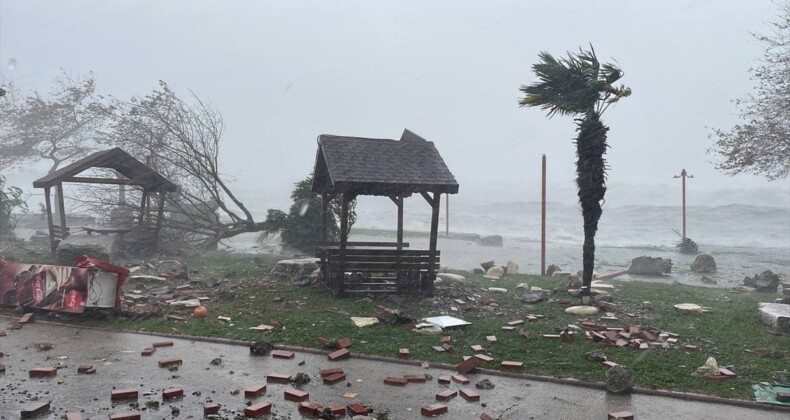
x=395, y=381
x=357, y=410
x=35, y=409
x=468, y=365
x=508, y=328
x=123, y=394
x=323, y=341
x=130, y=415
x=339, y=354
x=258, y=409
x=211, y=409
x=491, y=338
x=476, y=348
x=283, y=354
x=689, y=347
x=2, y=368
x=278, y=378
x=147, y=352
x=620, y=415
x=172, y=393
x=309, y=408
x=86, y=369
x=484, y=358
x=3, y=333
x=461, y=379
x=28, y=317
x=446, y=395
x=166, y=363
x=16, y=326
x=621, y=342
x=609, y=364
x=254, y=391
x=470, y=395
x=43, y=372
x=73, y=415
x=334, y=378
x=330, y=371
x=162, y=344
x=343, y=343
x=516, y=322
x=446, y=339
x=433, y=410
x=447, y=347
x=337, y=410
x=404, y=354
x=416, y=378
x=509, y=364
x=296, y=395
x=444, y=379
x=487, y=416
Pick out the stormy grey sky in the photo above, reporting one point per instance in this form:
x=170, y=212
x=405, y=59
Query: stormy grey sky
x=283, y=72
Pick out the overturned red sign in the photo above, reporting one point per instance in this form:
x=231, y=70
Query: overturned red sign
x=93, y=283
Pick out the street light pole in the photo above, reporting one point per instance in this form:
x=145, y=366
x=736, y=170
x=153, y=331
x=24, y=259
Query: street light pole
x=683, y=175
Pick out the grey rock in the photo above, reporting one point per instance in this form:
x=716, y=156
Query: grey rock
x=650, y=266
x=766, y=281
x=574, y=282
x=704, y=263
x=491, y=241
x=552, y=268
x=595, y=356
x=775, y=315
x=488, y=264
x=619, y=380
x=478, y=271
x=533, y=297
x=484, y=384
x=296, y=269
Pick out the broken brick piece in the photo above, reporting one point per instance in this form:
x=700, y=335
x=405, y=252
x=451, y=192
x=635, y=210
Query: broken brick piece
x=339, y=354
x=510, y=364
x=28, y=317
x=609, y=364
x=334, y=378
x=309, y=408
x=621, y=342
x=446, y=395
x=343, y=343
x=162, y=344
x=2, y=368
x=726, y=372
x=283, y=354
x=211, y=409
x=86, y=369
x=476, y=348
x=447, y=339
x=491, y=338
x=550, y=336
x=73, y=415
x=337, y=410
x=461, y=379
x=444, y=379
x=470, y=395
x=35, y=409
x=330, y=371
x=439, y=349
x=447, y=347
x=296, y=395
x=516, y=322
x=130, y=415
x=43, y=372
x=16, y=326
x=508, y=328
x=487, y=416
x=433, y=410
x=690, y=347
x=172, y=393
x=147, y=352
x=357, y=410
x=166, y=363
x=620, y=415
x=395, y=380
x=258, y=409
x=403, y=354
x=278, y=378
x=254, y=391
x=123, y=394
x=468, y=365
x=416, y=378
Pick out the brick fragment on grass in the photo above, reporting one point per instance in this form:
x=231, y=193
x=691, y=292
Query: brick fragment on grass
x=476, y=348
x=343, y=343
x=404, y=354
x=468, y=365
x=491, y=339
x=511, y=364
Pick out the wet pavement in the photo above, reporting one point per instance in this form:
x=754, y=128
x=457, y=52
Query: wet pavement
x=119, y=364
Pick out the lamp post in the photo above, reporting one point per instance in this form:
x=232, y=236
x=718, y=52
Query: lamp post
x=683, y=175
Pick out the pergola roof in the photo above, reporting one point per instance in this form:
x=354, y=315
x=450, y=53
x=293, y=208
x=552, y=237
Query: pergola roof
x=366, y=166
x=136, y=172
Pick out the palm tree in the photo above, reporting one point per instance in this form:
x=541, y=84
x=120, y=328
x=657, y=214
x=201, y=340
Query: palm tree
x=581, y=87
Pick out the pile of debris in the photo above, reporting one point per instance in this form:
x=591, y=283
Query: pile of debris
x=634, y=336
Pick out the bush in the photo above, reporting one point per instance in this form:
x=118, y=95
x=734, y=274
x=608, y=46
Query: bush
x=10, y=201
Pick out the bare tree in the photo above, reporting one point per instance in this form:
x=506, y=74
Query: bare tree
x=761, y=143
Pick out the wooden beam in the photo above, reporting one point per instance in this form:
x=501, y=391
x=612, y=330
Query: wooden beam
x=47, y=200
x=399, y=202
x=436, y=203
x=324, y=217
x=61, y=210
x=88, y=180
x=428, y=198
x=343, y=243
x=143, y=211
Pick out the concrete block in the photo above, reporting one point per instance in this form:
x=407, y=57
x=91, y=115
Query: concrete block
x=775, y=315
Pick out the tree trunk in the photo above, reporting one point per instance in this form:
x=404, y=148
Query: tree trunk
x=591, y=182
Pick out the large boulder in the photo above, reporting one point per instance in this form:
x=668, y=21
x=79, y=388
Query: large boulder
x=650, y=266
x=704, y=263
x=766, y=281
x=775, y=315
x=491, y=240
x=296, y=269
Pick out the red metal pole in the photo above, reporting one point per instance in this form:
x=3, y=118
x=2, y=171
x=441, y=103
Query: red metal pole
x=543, y=218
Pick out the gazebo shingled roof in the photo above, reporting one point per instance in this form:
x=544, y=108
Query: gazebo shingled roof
x=365, y=166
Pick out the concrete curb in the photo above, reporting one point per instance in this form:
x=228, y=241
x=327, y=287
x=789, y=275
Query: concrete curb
x=563, y=381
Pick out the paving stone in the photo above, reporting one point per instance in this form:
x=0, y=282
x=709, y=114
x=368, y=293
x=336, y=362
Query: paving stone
x=258, y=409
x=395, y=381
x=254, y=391
x=296, y=395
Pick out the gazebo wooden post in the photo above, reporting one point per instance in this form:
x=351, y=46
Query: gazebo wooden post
x=48, y=201
x=345, y=199
x=400, y=222
x=435, y=203
x=61, y=210
x=324, y=217
x=143, y=201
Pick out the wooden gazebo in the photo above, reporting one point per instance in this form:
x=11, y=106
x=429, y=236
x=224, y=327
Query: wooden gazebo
x=347, y=167
x=133, y=172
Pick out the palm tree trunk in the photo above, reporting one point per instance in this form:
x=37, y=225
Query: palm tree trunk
x=591, y=182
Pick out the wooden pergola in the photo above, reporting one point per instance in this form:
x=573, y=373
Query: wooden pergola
x=132, y=172
x=347, y=167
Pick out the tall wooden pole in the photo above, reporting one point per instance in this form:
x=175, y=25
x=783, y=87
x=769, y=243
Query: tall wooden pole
x=61, y=210
x=399, y=203
x=53, y=245
x=683, y=175
x=447, y=215
x=543, y=217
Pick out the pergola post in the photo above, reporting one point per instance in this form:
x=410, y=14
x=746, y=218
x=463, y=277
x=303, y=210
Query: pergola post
x=143, y=201
x=435, y=203
x=48, y=201
x=61, y=210
x=345, y=199
x=324, y=217
x=398, y=200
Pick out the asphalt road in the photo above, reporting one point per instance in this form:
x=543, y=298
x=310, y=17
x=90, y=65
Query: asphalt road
x=119, y=364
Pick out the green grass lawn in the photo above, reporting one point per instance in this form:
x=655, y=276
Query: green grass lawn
x=726, y=332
